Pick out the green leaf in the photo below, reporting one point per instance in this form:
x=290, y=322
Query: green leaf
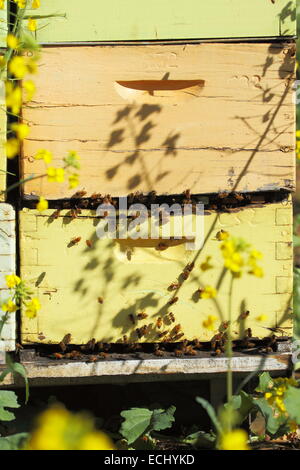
x=7, y=400
x=6, y=415
x=13, y=442
x=292, y=403
x=200, y=440
x=296, y=241
x=162, y=419
x=137, y=420
x=17, y=368
x=272, y=424
x=265, y=381
x=211, y=413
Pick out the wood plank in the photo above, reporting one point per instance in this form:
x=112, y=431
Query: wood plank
x=42, y=373
x=7, y=266
x=225, y=118
x=137, y=20
x=133, y=277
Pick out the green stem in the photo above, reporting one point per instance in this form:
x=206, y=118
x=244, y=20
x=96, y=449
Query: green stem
x=229, y=344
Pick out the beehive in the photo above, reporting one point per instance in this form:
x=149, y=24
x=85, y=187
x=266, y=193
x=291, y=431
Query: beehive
x=3, y=123
x=7, y=266
x=182, y=112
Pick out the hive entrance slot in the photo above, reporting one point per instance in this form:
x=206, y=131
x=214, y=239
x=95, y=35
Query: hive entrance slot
x=137, y=90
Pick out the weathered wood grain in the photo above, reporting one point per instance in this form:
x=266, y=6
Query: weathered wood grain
x=208, y=117
x=120, y=20
x=133, y=277
x=7, y=266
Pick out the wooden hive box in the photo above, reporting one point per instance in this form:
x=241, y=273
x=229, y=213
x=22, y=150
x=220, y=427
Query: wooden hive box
x=137, y=20
x=164, y=118
x=3, y=117
x=132, y=277
x=202, y=107
x=7, y=266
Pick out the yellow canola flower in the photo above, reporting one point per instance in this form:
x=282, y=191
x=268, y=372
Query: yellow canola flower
x=2, y=4
x=205, y=266
x=29, y=88
x=20, y=3
x=9, y=306
x=45, y=155
x=56, y=175
x=261, y=318
x=222, y=235
x=17, y=66
x=22, y=130
x=256, y=271
x=234, y=440
x=13, y=97
x=32, y=308
x=208, y=292
x=32, y=25
x=234, y=262
x=255, y=254
x=58, y=429
x=36, y=4
x=12, y=41
x=12, y=147
x=209, y=323
x=12, y=281
x=293, y=426
x=73, y=181
x=42, y=205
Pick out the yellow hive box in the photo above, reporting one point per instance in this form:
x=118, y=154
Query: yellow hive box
x=90, y=291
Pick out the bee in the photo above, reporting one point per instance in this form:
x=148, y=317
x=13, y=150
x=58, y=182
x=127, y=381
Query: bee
x=176, y=329
x=142, y=316
x=58, y=356
x=174, y=286
x=217, y=352
x=190, y=267
x=249, y=332
x=189, y=351
x=172, y=317
x=65, y=341
x=96, y=196
x=103, y=355
x=173, y=301
x=162, y=334
x=178, y=337
x=178, y=352
x=131, y=318
x=139, y=333
x=187, y=196
x=56, y=214
x=89, y=243
x=159, y=322
x=145, y=330
x=244, y=315
x=79, y=194
x=161, y=247
x=100, y=300
x=93, y=358
x=197, y=344
x=75, y=240
x=89, y=346
x=74, y=354
x=159, y=353
x=185, y=275
x=238, y=196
